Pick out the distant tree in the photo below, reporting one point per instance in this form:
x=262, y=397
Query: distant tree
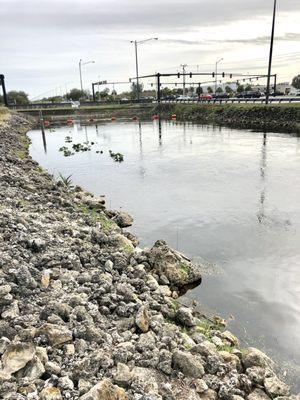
x=178, y=91
x=103, y=94
x=17, y=97
x=219, y=90
x=248, y=88
x=135, y=89
x=199, y=90
x=296, y=82
x=54, y=99
x=76, y=94
x=166, y=91
x=209, y=90
x=228, y=89
x=240, y=89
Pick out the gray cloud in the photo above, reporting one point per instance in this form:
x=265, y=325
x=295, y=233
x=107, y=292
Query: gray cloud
x=44, y=39
x=287, y=37
x=131, y=15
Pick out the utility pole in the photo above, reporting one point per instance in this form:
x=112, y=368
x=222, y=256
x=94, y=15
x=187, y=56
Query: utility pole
x=137, y=64
x=2, y=83
x=137, y=71
x=271, y=53
x=80, y=75
x=80, y=72
x=158, y=87
x=216, y=74
x=183, y=77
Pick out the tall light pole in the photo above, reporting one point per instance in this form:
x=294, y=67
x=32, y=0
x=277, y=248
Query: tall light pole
x=136, y=42
x=271, y=52
x=80, y=72
x=183, y=78
x=216, y=73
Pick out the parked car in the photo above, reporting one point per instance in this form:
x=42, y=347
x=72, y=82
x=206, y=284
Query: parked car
x=170, y=97
x=184, y=98
x=277, y=93
x=294, y=92
x=249, y=95
x=221, y=96
x=205, y=96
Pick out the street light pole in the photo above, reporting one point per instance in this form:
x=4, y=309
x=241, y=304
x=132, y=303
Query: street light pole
x=271, y=53
x=183, y=78
x=80, y=71
x=80, y=75
x=137, y=71
x=137, y=64
x=217, y=62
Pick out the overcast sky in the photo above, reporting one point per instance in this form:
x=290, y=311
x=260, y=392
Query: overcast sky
x=42, y=41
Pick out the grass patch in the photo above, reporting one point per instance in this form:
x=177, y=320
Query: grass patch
x=127, y=249
x=22, y=151
x=184, y=267
x=4, y=114
x=107, y=224
x=226, y=347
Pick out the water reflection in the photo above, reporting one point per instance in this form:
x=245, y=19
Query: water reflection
x=261, y=213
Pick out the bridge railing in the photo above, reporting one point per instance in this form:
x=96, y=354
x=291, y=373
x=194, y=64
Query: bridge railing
x=260, y=100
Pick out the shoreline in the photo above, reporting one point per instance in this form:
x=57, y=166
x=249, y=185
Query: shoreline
x=117, y=326
x=281, y=118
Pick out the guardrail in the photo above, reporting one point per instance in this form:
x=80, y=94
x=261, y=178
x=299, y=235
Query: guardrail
x=233, y=100
x=70, y=106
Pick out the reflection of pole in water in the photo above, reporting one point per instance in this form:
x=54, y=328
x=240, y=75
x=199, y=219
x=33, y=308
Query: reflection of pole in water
x=86, y=135
x=263, y=165
x=44, y=141
x=159, y=132
x=140, y=138
x=97, y=131
x=43, y=131
x=184, y=132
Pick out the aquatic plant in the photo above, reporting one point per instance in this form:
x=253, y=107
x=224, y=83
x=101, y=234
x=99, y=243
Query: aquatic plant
x=67, y=152
x=118, y=157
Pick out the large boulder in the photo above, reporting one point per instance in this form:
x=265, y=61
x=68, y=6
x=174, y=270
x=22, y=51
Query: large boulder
x=275, y=387
x=123, y=219
x=15, y=357
x=105, y=390
x=188, y=364
x=177, y=268
x=56, y=334
x=253, y=357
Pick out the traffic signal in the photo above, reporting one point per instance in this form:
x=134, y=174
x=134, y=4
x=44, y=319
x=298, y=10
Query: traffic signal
x=230, y=76
x=223, y=74
x=178, y=75
x=191, y=75
x=130, y=80
x=213, y=74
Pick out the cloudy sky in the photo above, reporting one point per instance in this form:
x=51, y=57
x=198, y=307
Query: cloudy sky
x=42, y=41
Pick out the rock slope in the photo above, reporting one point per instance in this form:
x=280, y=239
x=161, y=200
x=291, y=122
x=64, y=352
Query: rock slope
x=85, y=314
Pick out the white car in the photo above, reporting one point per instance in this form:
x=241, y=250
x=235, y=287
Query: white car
x=184, y=98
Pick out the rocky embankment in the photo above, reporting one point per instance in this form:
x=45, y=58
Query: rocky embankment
x=278, y=118
x=87, y=315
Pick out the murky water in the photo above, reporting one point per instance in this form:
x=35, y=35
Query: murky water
x=230, y=196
